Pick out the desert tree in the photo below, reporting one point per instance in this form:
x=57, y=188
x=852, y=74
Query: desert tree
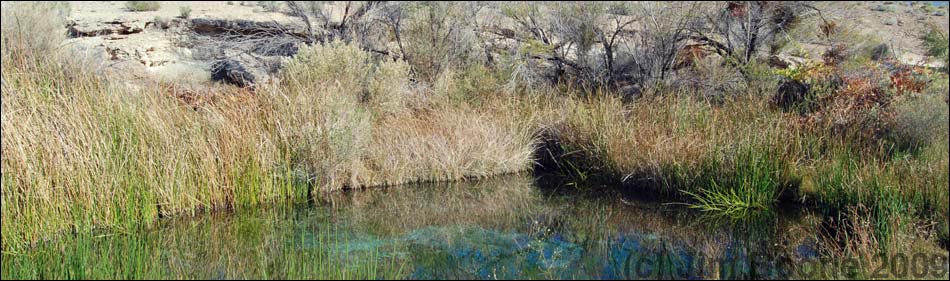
x=602, y=44
x=433, y=36
x=317, y=16
x=739, y=30
x=650, y=41
x=558, y=36
x=580, y=29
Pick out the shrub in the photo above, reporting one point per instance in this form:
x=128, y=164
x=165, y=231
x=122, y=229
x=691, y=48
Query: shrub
x=743, y=29
x=161, y=22
x=184, y=12
x=438, y=141
x=21, y=46
x=389, y=88
x=322, y=122
x=438, y=37
x=936, y=43
x=882, y=8
x=142, y=6
x=343, y=119
x=921, y=119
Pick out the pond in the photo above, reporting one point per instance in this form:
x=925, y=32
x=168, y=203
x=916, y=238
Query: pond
x=507, y=228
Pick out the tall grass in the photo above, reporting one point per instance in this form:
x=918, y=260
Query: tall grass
x=741, y=157
x=727, y=158
x=747, y=186
x=81, y=152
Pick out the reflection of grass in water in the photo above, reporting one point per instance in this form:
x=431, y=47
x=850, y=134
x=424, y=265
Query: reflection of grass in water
x=256, y=247
x=506, y=202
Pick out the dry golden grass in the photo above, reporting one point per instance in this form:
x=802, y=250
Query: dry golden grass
x=358, y=124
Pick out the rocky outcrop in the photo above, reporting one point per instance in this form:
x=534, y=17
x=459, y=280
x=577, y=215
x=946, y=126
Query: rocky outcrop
x=783, y=61
x=232, y=72
x=210, y=26
x=101, y=28
x=245, y=70
x=240, y=49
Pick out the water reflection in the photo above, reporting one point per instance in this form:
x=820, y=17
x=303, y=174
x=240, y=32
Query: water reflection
x=508, y=229
x=499, y=229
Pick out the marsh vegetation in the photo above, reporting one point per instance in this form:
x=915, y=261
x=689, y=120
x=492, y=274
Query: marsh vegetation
x=699, y=122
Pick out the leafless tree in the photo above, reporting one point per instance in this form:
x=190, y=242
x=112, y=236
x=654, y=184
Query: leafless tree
x=739, y=30
x=393, y=15
x=538, y=38
x=603, y=44
x=318, y=18
x=432, y=36
x=649, y=51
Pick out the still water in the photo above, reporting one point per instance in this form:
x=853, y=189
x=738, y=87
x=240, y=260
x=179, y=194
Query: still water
x=506, y=228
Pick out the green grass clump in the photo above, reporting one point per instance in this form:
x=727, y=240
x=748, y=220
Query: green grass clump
x=142, y=6
x=746, y=186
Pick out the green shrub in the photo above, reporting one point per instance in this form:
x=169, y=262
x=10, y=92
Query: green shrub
x=341, y=117
x=142, y=6
x=935, y=41
x=389, y=88
x=439, y=38
x=322, y=121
